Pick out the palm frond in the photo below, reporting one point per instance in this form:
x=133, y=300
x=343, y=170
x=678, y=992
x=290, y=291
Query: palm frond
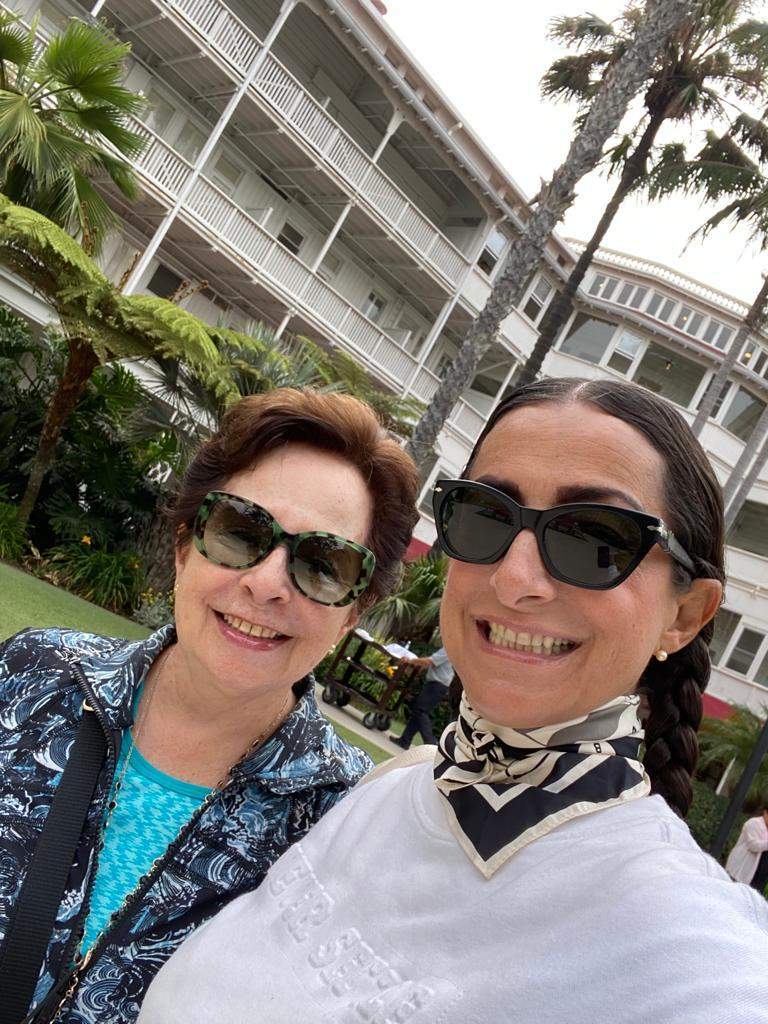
x=89, y=60
x=575, y=77
x=16, y=44
x=581, y=30
x=752, y=134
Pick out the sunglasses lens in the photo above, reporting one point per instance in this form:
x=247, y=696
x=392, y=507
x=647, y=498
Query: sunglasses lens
x=236, y=535
x=592, y=547
x=474, y=525
x=326, y=569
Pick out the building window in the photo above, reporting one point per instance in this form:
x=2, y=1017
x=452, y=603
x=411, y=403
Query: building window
x=725, y=626
x=742, y=414
x=717, y=334
x=744, y=650
x=164, y=282
x=329, y=268
x=159, y=112
x=689, y=321
x=443, y=364
x=588, y=338
x=190, y=142
x=603, y=286
x=492, y=252
x=750, y=529
x=291, y=238
x=761, y=676
x=630, y=295
x=538, y=299
x=755, y=357
x=660, y=307
x=374, y=306
x=720, y=398
x=414, y=336
x=669, y=374
x=226, y=174
x=623, y=356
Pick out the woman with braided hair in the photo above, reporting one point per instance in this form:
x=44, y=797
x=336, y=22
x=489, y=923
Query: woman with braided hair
x=537, y=869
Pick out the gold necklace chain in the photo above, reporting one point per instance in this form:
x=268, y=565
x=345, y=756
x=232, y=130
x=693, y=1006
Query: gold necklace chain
x=82, y=960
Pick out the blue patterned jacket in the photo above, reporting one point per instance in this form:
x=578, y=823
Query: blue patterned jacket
x=271, y=801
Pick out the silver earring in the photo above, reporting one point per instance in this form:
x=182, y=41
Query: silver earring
x=661, y=655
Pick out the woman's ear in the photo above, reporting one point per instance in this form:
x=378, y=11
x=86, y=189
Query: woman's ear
x=695, y=608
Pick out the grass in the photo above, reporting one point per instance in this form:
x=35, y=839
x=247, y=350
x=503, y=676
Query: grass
x=376, y=754
x=27, y=601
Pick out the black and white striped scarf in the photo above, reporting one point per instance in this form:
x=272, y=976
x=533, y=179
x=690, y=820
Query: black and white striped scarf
x=505, y=787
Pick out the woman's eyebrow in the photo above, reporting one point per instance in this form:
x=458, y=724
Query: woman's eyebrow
x=565, y=495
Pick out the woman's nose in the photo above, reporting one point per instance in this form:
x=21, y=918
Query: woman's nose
x=269, y=579
x=521, y=575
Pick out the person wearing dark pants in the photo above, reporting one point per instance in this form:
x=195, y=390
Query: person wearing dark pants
x=435, y=689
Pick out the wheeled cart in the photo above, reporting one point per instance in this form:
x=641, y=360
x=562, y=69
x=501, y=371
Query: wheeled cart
x=397, y=688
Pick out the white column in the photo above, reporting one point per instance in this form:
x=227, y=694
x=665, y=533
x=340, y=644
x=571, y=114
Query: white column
x=284, y=323
x=448, y=308
x=149, y=253
x=97, y=7
x=394, y=124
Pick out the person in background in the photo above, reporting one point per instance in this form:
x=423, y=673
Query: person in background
x=748, y=860
x=434, y=690
x=288, y=522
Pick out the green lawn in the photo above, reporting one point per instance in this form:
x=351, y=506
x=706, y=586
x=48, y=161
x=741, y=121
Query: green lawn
x=27, y=601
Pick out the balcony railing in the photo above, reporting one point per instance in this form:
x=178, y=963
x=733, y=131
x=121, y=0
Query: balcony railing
x=234, y=228
x=226, y=34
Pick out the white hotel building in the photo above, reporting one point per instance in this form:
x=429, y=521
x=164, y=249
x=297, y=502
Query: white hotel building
x=303, y=164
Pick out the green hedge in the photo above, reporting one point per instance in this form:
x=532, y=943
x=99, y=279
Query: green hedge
x=705, y=815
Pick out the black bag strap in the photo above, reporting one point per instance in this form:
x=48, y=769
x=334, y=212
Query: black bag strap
x=34, y=917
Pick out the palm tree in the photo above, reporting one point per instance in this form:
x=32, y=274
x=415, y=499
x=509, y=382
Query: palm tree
x=743, y=477
x=412, y=612
x=731, y=741
x=728, y=168
x=717, y=59
x=662, y=20
x=63, y=121
x=99, y=323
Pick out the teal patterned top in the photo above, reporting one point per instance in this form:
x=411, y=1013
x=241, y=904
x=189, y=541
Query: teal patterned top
x=151, y=808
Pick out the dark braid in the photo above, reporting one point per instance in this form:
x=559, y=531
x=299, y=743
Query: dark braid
x=672, y=689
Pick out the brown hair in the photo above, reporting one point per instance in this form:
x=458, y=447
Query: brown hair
x=329, y=422
x=694, y=505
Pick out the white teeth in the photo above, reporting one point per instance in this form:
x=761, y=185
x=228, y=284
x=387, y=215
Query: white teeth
x=249, y=628
x=537, y=643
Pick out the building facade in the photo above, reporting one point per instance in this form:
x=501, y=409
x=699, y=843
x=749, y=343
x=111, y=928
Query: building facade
x=302, y=164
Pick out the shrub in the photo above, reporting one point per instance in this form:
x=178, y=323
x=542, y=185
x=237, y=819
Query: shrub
x=13, y=539
x=705, y=815
x=155, y=609
x=110, y=578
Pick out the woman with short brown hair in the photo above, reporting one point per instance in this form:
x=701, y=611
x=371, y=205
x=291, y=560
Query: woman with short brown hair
x=292, y=518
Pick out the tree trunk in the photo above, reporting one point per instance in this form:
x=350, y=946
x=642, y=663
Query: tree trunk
x=562, y=304
x=662, y=19
x=81, y=363
x=752, y=322
x=158, y=552
x=741, y=481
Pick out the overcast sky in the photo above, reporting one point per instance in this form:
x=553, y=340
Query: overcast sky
x=488, y=56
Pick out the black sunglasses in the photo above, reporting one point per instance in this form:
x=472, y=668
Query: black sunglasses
x=238, y=534
x=586, y=545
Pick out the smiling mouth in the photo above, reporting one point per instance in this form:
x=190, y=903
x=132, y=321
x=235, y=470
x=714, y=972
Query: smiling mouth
x=541, y=644
x=251, y=628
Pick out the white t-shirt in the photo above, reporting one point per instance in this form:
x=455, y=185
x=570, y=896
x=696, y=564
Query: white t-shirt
x=745, y=855
x=378, y=917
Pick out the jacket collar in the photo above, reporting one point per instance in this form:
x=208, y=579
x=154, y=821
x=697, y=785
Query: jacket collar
x=305, y=752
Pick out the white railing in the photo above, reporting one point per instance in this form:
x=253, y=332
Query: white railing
x=463, y=419
x=238, y=230
x=225, y=33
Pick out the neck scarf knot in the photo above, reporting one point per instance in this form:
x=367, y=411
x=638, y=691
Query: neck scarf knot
x=503, y=787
